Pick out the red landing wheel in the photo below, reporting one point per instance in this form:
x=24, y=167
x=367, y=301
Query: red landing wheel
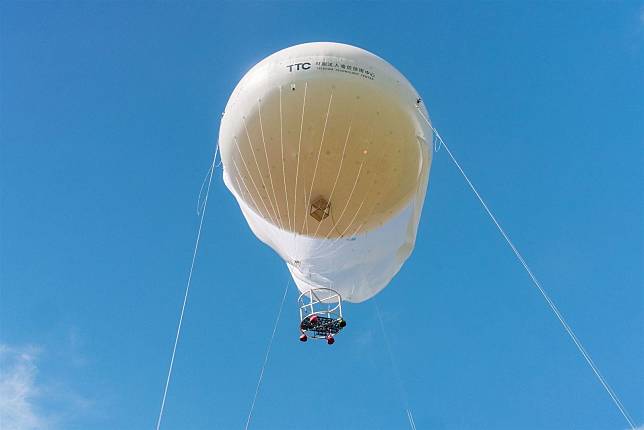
x=303, y=338
x=330, y=339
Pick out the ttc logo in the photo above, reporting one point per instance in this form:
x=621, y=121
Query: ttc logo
x=299, y=66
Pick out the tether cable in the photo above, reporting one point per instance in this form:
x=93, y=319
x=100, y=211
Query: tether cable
x=394, y=367
x=613, y=395
x=185, y=296
x=266, y=356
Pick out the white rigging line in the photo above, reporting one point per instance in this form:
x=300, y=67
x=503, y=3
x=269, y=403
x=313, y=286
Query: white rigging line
x=259, y=172
x=335, y=183
x=352, y=220
x=185, y=296
x=537, y=284
x=334, y=227
x=297, y=171
x=307, y=203
x=250, y=175
x=288, y=213
x=394, y=367
x=337, y=222
x=268, y=166
x=203, y=185
x=268, y=353
x=241, y=191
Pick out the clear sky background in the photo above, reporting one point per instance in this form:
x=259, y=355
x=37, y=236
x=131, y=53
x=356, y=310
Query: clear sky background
x=109, y=112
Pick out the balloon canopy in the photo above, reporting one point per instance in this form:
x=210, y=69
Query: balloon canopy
x=324, y=148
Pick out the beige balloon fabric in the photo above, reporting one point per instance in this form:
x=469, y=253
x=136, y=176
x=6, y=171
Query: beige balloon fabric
x=326, y=152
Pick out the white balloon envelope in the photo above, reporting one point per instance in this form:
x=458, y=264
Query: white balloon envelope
x=328, y=157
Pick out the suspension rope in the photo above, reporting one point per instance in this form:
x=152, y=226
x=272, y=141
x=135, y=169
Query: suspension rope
x=297, y=170
x=199, y=197
x=268, y=353
x=352, y=220
x=268, y=166
x=399, y=383
x=307, y=203
x=288, y=211
x=613, y=395
x=252, y=199
x=185, y=296
x=348, y=201
x=341, y=236
x=250, y=175
x=259, y=172
x=335, y=183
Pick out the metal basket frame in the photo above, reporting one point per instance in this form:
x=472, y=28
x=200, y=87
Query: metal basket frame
x=327, y=305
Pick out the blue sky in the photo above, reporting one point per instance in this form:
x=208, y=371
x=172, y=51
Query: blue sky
x=108, y=117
